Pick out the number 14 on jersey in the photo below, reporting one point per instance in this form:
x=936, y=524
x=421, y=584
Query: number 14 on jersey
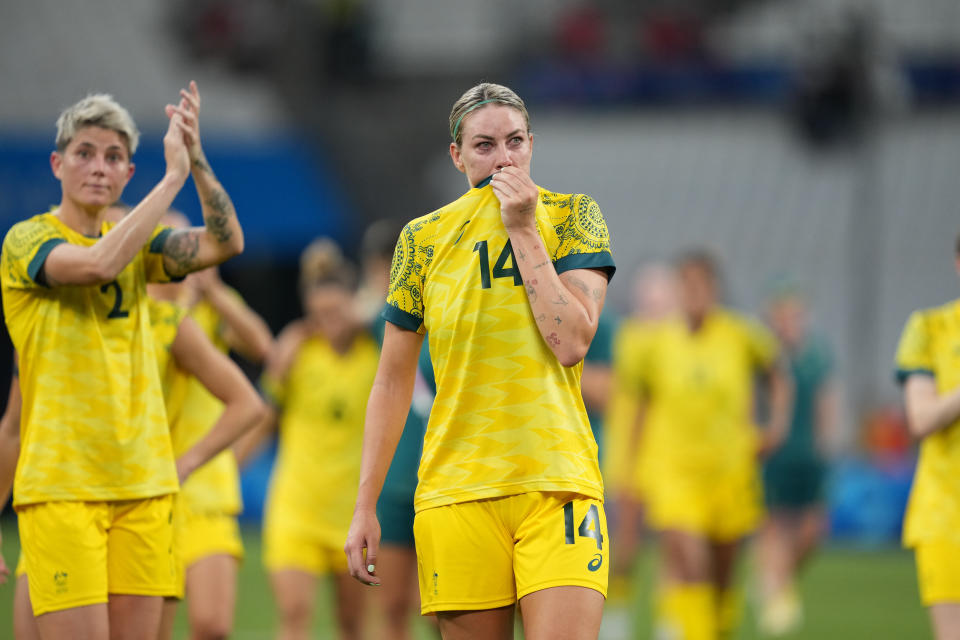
x=500, y=268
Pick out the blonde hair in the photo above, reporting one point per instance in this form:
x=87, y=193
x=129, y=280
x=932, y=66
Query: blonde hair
x=476, y=97
x=323, y=263
x=97, y=110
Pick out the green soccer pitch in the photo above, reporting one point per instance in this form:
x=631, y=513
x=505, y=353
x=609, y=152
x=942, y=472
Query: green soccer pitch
x=848, y=594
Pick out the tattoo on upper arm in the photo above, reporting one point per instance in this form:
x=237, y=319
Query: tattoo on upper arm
x=598, y=294
x=181, y=248
x=217, y=215
x=579, y=284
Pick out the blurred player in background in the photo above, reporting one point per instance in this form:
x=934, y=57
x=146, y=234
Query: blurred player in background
x=75, y=305
x=319, y=380
x=397, y=563
x=654, y=301
x=207, y=533
x=929, y=371
x=701, y=480
x=508, y=283
x=793, y=476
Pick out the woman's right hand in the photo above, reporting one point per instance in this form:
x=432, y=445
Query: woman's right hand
x=364, y=535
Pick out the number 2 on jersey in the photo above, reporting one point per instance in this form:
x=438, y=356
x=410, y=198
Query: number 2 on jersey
x=589, y=526
x=116, y=311
x=500, y=269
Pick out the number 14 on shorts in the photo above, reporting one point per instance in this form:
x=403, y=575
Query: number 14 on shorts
x=589, y=526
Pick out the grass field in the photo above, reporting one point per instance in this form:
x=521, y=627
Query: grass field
x=849, y=595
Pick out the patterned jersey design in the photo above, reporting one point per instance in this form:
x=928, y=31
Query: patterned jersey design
x=930, y=346
x=507, y=418
x=93, y=425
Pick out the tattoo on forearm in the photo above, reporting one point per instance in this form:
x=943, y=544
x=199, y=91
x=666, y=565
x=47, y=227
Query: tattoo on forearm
x=541, y=317
x=521, y=254
x=553, y=338
x=217, y=215
x=181, y=248
x=542, y=264
x=560, y=299
x=531, y=292
x=201, y=164
x=558, y=320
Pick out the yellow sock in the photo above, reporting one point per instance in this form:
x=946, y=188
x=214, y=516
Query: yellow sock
x=729, y=609
x=687, y=612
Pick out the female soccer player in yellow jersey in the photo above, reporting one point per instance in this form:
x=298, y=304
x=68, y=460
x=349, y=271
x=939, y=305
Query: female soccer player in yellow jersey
x=508, y=283
x=929, y=370
x=96, y=472
x=320, y=384
x=184, y=356
x=699, y=459
x=206, y=530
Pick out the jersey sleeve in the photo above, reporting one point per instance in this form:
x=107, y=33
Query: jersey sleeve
x=584, y=239
x=153, y=256
x=404, y=306
x=761, y=343
x=914, y=356
x=25, y=249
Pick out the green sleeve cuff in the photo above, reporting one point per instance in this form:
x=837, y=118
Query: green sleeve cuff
x=401, y=318
x=156, y=245
x=41, y=256
x=901, y=375
x=602, y=260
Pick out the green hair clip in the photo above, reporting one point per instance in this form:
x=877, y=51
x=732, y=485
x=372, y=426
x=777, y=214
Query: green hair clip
x=456, y=127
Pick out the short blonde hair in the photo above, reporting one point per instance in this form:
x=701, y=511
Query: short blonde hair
x=475, y=97
x=97, y=110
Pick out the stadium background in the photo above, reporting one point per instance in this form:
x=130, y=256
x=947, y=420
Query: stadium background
x=816, y=139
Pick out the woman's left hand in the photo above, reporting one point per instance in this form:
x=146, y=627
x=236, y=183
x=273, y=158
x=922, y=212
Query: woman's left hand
x=518, y=195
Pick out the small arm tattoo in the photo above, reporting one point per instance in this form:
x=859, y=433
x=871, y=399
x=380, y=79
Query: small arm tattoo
x=201, y=164
x=558, y=320
x=553, y=339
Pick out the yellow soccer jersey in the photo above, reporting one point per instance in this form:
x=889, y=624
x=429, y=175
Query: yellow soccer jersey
x=214, y=487
x=698, y=388
x=507, y=418
x=624, y=403
x=165, y=319
x=93, y=425
x=930, y=345
x=323, y=402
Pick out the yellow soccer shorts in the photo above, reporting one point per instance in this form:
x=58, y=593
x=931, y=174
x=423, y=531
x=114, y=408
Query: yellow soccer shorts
x=720, y=507
x=285, y=548
x=938, y=572
x=490, y=553
x=198, y=535
x=76, y=553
